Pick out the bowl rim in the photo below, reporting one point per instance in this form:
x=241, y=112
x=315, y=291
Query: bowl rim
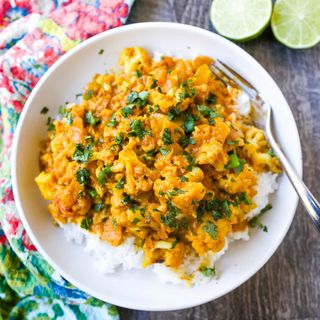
x=119, y=30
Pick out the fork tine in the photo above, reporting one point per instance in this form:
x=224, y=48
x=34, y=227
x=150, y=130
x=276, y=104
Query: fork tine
x=228, y=75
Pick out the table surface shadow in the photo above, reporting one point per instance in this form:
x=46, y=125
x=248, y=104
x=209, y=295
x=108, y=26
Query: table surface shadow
x=288, y=286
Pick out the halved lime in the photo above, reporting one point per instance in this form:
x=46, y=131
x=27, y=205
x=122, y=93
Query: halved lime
x=296, y=23
x=240, y=20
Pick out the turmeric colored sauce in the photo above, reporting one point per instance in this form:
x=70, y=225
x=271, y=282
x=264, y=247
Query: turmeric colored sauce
x=157, y=152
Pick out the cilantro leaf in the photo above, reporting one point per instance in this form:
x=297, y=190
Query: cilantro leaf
x=166, y=137
x=50, y=124
x=164, y=151
x=82, y=153
x=173, y=113
x=138, y=129
x=120, y=184
x=119, y=139
x=169, y=218
x=104, y=174
x=86, y=223
x=88, y=95
x=271, y=153
x=212, y=99
x=98, y=207
x=154, y=83
x=211, y=229
x=44, y=110
x=189, y=123
x=208, y=272
x=235, y=163
x=83, y=176
x=113, y=121
x=90, y=119
x=127, y=110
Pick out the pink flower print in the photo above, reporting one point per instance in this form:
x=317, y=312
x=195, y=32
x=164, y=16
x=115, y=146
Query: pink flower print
x=7, y=195
x=3, y=239
x=14, y=224
x=18, y=106
x=27, y=242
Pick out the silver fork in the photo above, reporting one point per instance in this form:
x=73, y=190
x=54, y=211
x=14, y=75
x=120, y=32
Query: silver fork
x=262, y=119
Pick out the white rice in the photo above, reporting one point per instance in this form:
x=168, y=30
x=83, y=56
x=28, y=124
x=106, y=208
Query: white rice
x=109, y=259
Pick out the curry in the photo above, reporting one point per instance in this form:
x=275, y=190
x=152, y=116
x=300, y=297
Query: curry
x=157, y=152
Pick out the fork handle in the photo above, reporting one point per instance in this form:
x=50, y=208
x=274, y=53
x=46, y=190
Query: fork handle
x=309, y=201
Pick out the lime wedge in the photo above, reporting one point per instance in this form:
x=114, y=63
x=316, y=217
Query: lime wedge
x=296, y=23
x=240, y=20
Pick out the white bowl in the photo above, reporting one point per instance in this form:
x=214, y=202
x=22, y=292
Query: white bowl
x=67, y=77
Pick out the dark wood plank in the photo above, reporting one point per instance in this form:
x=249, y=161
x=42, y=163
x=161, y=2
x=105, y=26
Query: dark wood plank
x=288, y=287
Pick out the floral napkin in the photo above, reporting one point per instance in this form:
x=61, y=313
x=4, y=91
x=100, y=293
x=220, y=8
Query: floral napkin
x=33, y=35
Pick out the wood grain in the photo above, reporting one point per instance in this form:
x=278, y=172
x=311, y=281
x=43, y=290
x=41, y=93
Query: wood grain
x=288, y=286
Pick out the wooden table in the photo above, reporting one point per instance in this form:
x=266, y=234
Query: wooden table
x=288, y=286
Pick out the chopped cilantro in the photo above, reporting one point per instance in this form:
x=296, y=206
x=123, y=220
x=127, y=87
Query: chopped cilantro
x=184, y=141
x=112, y=311
x=50, y=124
x=201, y=209
x=211, y=229
x=90, y=119
x=86, y=223
x=139, y=73
x=120, y=183
x=209, y=113
x=174, y=243
x=101, y=51
x=104, y=173
x=83, y=176
x=255, y=222
x=164, y=151
x=159, y=89
x=175, y=192
x=174, y=112
x=88, y=95
x=114, y=223
x=127, y=200
x=212, y=99
x=140, y=99
x=113, y=121
x=82, y=153
x=151, y=152
x=136, y=220
x=138, y=129
x=235, y=163
x=119, y=139
x=190, y=160
x=230, y=143
x=98, y=207
x=153, y=108
x=166, y=137
x=266, y=208
x=169, y=219
x=92, y=192
x=127, y=110
x=271, y=153
x=189, y=123
x=187, y=91
x=154, y=83
x=208, y=272
x=44, y=110
x=132, y=97
x=184, y=179
x=242, y=198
